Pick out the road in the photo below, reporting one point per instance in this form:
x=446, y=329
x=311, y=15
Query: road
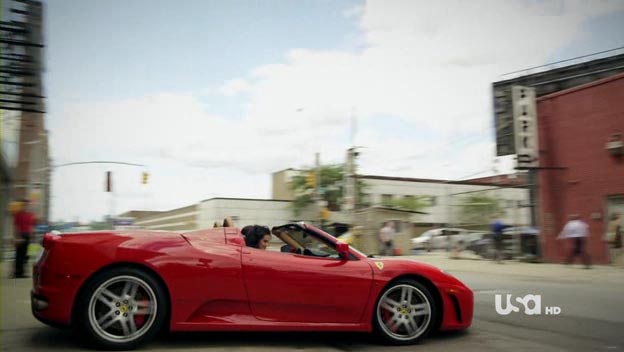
x=591, y=318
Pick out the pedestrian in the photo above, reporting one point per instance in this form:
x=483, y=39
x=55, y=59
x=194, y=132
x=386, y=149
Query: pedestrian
x=386, y=236
x=458, y=247
x=614, y=240
x=576, y=230
x=497, y=228
x=23, y=222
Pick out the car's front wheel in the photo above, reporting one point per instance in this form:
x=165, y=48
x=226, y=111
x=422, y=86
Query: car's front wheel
x=120, y=309
x=405, y=312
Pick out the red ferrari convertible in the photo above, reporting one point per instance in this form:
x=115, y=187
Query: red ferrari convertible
x=119, y=289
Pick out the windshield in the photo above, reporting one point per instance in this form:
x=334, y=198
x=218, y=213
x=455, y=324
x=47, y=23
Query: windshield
x=303, y=241
x=427, y=233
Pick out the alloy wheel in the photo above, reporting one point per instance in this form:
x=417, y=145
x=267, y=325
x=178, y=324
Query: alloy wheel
x=404, y=312
x=122, y=309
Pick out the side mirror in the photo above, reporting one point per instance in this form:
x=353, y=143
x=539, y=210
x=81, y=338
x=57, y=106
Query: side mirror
x=343, y=250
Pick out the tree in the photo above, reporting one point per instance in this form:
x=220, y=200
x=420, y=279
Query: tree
x=409, y=203
x=480, y=209
x=331, y=187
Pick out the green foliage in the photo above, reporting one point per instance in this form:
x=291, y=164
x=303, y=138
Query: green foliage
x=412, y=203
x=97, y=226
x=331, y=188
x=480, y=209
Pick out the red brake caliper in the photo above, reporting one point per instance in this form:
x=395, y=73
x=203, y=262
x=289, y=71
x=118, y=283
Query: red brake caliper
x=387, y=317
x=139, y=320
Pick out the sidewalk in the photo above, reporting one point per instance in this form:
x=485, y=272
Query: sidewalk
x=468, y=262
x=471, y=263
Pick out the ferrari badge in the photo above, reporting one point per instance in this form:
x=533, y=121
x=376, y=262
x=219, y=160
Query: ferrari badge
x=379, y=265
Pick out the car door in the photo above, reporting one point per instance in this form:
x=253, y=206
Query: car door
x=293, y=287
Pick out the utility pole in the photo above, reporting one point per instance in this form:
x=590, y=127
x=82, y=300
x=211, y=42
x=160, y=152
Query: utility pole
x=317, y=187
x=350, y=198
x=350, y=191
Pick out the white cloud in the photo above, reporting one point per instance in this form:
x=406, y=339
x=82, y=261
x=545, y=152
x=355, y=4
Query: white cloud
x=234, y=87
x=430, y=64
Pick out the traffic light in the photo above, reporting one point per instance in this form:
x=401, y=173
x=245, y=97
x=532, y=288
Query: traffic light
x=145, y=178
x=311, y=179
x=109, y=181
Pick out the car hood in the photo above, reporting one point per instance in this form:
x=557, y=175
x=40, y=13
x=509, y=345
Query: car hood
x=420, y=239
x=390, y=268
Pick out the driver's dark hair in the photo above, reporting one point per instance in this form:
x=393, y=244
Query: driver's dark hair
x=254, y=234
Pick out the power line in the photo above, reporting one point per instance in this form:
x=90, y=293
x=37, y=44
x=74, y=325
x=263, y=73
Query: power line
x=561, y=61
x=98, y=162
x=438, y=148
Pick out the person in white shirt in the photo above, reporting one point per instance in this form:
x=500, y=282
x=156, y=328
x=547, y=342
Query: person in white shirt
x=576, y=230
x=386, y=236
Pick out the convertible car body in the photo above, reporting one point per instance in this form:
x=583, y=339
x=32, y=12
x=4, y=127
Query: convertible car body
x=120, y=288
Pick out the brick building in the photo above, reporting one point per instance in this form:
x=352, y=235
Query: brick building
x=583, y=173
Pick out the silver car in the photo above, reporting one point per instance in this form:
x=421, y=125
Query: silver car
x=440, y=238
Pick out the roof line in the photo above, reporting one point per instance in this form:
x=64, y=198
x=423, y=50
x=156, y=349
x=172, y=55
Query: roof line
x=408, y=179
x=254, y=199
x=582, y=87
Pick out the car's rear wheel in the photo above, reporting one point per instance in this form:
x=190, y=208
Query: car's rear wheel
x=121, y=308
x=405, y=312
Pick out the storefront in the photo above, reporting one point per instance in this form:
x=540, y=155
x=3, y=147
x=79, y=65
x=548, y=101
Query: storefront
x=581, y=132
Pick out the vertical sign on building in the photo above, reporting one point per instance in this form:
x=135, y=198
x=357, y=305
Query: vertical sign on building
x=525, y=127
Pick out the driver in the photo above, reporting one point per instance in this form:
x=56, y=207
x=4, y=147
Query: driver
x=256, y=236
x=283, y=234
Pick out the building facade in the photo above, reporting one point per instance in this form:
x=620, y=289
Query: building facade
x=179, y=219
x=24, y=155
x=206, y=213
x=269, y=212
x=445, y=200
x=581, y=131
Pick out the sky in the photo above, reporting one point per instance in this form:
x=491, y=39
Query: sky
x=213, y=96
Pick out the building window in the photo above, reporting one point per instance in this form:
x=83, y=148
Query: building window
x=365, y=199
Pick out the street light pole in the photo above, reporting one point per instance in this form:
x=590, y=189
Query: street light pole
x=109, y=187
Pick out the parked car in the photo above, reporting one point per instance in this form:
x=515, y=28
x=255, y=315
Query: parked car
x=120, y=288
x=423, y=241
x=481, y=244
x=525, y=241
x=440, y=238
x=517, y=242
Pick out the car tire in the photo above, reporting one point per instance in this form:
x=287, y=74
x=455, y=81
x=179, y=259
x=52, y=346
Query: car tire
x=403, y=318
x=120, y=309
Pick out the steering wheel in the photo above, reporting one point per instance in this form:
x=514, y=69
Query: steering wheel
x=304, y=251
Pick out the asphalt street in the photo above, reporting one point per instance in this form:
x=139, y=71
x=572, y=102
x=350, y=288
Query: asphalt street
x=591, y=318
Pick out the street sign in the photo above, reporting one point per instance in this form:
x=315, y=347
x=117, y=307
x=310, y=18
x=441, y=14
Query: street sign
x=525, y=126
x=503, y=121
